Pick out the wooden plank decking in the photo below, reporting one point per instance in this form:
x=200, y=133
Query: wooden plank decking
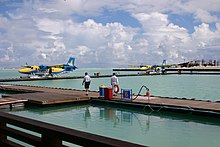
x=44, y=96
x=11, y=102
x=64, y=77
x=183, y=103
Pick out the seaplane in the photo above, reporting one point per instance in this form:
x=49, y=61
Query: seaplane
x=45, y=70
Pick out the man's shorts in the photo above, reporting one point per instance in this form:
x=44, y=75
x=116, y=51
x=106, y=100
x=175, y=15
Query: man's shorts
x=87, y=85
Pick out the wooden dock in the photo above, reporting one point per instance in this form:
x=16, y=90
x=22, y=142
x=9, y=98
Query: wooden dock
x=11, y=102
x=181, y=103
x=181, y=70
x=194, y=70
x=63, y=77
x=48, y=96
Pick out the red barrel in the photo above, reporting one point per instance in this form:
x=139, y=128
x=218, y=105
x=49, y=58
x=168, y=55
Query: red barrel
x=108, y=93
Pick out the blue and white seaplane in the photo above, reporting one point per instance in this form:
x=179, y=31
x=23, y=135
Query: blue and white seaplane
x=45, y=70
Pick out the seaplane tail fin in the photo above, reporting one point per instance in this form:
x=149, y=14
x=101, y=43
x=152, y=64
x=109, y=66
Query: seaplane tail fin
x=71, y=61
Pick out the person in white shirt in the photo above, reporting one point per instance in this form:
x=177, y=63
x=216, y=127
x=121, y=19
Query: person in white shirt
x=114, y=81
x=86, y=81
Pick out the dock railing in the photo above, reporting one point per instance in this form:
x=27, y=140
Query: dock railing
x=37, y=133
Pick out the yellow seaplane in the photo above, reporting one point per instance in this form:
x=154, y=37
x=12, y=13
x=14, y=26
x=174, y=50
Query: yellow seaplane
x=48, y=70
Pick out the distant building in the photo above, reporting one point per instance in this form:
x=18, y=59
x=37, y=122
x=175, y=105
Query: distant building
x=202, y=62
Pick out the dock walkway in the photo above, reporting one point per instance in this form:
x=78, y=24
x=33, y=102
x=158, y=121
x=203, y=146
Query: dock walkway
x=63, y=77
x=11, y=102
x=181, y=103
x=49, y=96
x=46, y=96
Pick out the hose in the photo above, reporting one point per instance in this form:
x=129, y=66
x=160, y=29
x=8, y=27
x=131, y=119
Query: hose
x=143, y=86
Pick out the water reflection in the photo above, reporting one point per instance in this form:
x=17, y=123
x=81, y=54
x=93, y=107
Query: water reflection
x=87, y=116
x=117, y=115
x=126, y=123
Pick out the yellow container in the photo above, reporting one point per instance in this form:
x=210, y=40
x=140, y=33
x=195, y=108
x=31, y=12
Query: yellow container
x=101, y=86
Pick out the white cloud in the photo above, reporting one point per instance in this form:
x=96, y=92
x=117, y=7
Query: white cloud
x=164, y=39
x=153, y=21
x=49, y=25
x=106, y=42
x=47, y=31
x=204, y=36
x=203, y=32
x=81, y=7
x=205, y=16
x=194, y=5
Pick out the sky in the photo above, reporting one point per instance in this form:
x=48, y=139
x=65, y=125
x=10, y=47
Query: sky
x=108, y=33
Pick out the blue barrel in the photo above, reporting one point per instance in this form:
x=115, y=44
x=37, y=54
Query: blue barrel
x=101, y=90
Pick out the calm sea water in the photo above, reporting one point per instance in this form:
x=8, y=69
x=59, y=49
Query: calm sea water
x=155, y=129
x=201, y=87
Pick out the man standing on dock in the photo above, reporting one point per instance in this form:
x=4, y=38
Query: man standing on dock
x=86, y=81
x=114, y=82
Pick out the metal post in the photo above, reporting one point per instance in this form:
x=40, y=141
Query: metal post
x=121, y=93
x=148, y=99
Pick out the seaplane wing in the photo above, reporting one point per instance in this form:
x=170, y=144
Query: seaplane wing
x=145, y=67
x=45, y=69
x=57, y=65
